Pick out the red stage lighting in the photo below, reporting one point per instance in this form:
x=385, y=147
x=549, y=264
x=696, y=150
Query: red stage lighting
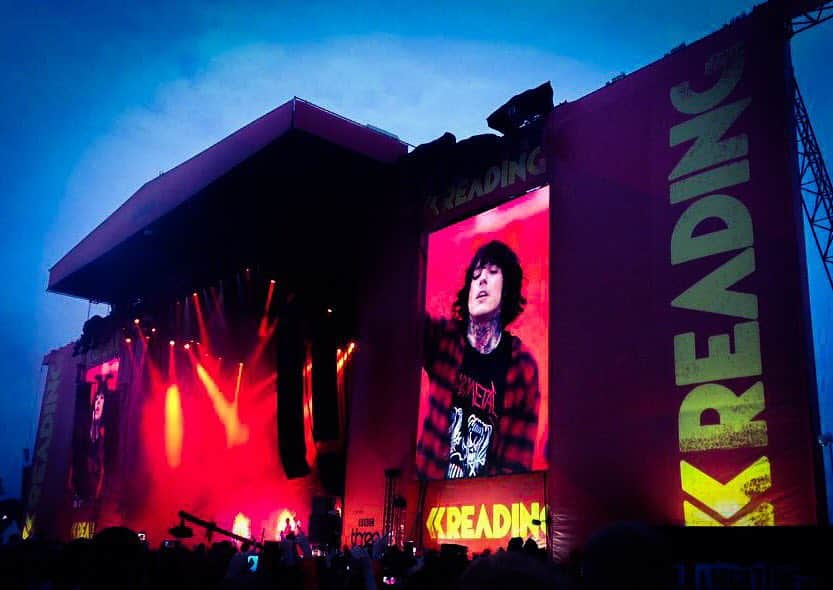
x=171, y=342
x=272, y=281
x=153, y=330
x=173, y=426
x=186, y=346
x=128, y=340
x=136, y=321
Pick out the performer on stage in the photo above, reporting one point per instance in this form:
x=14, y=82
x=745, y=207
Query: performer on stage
x=483, y=382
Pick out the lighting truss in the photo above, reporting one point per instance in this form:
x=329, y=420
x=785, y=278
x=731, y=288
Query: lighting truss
x=811, y=17
x=816, y=188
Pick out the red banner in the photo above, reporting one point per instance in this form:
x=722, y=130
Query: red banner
x=681, y=390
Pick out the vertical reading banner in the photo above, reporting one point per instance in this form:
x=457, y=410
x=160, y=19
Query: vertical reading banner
x=682, y=393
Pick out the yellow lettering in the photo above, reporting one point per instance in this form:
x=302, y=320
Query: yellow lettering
x=466, y=530
x=429, y=522
x=536, y=163
x=524, y=521
x=710, y=181
x=707, y=130
x=476, y=189
x=502, y=521
x=729, y=65
x=720, y=362
x=491, y=180
x=712, y=294
x=484, y=527
x=438, y=523
x=460, y=191
x=517, y=170
x=515, y=529
x=736, y=428
x=730, y=498
x=737, y=234
x=452, y=523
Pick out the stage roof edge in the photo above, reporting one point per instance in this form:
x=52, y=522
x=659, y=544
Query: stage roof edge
x=163, y=194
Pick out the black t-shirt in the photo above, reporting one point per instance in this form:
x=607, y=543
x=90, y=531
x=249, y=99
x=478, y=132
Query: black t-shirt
x=476, y=406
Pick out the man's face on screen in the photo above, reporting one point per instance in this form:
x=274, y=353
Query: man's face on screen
x=485, y=290
x=98, y=407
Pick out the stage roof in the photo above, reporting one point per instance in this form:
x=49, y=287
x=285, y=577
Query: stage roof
x=297, y=145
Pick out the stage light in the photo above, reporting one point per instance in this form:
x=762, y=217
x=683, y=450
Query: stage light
x=351, y=347
x=272, y=281
x=194, y=294
x=153, y=330
x=329, y=310
x=136, y=321
x=171, y=342
x=128, y=340
x=186, y=346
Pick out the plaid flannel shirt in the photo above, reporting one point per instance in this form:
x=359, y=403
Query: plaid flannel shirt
x=514, y=441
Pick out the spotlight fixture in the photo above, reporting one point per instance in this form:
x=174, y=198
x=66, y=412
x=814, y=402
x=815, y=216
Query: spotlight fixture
x=136, y=321
x=127, y=340
x=194, y=294
x=272, y=281
x=153, y=330
x=171, y=342
x=186, y=346
x=329, y=310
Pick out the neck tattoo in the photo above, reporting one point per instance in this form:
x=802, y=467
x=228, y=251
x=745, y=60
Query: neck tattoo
x=484, y=334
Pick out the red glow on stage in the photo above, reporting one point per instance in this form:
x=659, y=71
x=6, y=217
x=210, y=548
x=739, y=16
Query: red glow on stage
x=173, y=427
x=242, y=526
x=280, y=529
x=207, y=442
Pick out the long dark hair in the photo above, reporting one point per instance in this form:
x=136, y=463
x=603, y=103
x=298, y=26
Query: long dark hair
x=511, y=300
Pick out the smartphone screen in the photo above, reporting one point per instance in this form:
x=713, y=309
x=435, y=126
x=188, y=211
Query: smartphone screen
x=253, y=563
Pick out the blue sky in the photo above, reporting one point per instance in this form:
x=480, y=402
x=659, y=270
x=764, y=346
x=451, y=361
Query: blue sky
x=99, y=97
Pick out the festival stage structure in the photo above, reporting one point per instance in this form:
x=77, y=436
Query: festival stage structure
x=599, y=315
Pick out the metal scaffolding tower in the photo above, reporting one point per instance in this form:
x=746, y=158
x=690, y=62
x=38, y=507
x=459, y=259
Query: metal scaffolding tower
x=816, y=189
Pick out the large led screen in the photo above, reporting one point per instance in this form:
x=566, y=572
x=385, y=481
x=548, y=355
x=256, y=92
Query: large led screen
x=483, y=397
